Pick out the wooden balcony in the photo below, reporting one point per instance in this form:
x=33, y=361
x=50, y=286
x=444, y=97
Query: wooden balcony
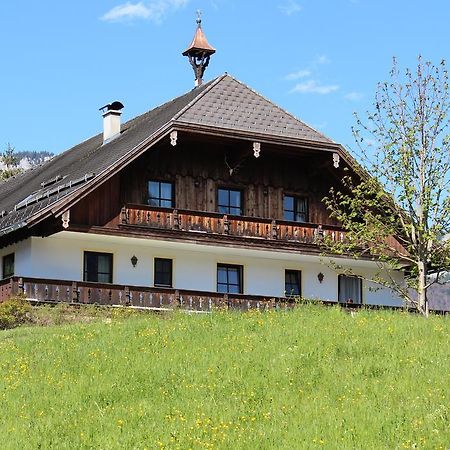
x=221, y=225
x=75, y=293
x=253, y=230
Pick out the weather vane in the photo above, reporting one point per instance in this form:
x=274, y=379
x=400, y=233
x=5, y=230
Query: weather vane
x=199, y=16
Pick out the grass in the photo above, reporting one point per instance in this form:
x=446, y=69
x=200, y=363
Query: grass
x=310, y=378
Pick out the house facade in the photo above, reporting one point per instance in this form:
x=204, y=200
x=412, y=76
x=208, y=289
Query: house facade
x=216, y=193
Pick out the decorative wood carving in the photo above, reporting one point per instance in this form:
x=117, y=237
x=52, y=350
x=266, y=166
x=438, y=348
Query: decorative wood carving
x=256, y=149
x=173, y=138
x=336, y=160
x=65, y=219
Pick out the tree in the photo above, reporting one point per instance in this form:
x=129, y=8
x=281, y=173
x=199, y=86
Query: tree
x=10, y=161
x=404, y=191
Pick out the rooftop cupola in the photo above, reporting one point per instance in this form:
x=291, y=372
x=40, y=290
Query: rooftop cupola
x=199, y=52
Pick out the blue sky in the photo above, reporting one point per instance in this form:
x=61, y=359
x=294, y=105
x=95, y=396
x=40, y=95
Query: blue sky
x=319, y=59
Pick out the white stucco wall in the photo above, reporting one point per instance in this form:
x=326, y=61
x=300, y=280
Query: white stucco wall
x=22, y=256
x=194, y=265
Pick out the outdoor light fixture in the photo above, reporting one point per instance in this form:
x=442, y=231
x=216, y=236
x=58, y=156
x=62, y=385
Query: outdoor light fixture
x=320, y=277
x=134, y=260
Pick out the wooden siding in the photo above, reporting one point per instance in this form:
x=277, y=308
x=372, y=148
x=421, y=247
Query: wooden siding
x=198, y=169
x=101, y=207
x=198, y=172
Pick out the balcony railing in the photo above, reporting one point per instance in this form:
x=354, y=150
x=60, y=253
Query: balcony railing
x=73, y=292
x=226, y=225
x=78, y=293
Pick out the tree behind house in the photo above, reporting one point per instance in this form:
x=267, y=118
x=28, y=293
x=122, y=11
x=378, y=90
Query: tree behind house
x=11, y=162
x=406, y=194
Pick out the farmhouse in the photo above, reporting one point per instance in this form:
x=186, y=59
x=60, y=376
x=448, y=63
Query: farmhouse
x=213, y=197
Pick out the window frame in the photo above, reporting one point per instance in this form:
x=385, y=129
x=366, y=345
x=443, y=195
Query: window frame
x=5, y=260
x=295, y=211
x=298, y=274
x=161, y=199
x=157, y=284
x=360, y=285
x=229, y=206
x=240, y=285
x=110, y=256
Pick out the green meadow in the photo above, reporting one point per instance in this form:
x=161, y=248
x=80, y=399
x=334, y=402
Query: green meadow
x=310, y=378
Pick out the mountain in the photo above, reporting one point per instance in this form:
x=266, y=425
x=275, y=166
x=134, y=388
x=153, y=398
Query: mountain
x=29, y=159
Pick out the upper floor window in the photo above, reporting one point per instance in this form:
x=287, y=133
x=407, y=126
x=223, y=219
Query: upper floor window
x=292, y=282
x=160, y=193
x=229, y=279
x=163, y=272
x=350, y=289
x=229, y=201
x=295, y=208
x=98, y=267
x=8, y=265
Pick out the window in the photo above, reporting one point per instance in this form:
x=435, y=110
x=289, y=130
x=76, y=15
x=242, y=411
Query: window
x=8, y=265
x=160, y=193
x=229, y=201
x=98, y=267
x=295, y=208
x=229, y=279
x=292, y=282
x=350, y=289
x=163, y=272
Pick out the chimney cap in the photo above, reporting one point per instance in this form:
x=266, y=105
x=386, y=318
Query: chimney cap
x=114, y=106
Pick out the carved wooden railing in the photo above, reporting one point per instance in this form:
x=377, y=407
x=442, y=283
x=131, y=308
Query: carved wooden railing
x=72, y=292
x=228, y=225
x=76, y=293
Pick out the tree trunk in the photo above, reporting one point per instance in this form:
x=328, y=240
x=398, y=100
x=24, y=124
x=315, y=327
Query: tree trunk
x=422, y=301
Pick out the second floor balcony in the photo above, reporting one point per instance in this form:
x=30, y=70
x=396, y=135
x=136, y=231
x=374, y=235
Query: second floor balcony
x=225, y=226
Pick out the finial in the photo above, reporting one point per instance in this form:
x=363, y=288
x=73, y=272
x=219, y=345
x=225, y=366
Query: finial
x=199, y=18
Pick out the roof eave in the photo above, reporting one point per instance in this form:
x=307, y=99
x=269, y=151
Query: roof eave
x=252, y=136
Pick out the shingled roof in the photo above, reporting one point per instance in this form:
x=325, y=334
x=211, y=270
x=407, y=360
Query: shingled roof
x=222, y=104
x=231, y=105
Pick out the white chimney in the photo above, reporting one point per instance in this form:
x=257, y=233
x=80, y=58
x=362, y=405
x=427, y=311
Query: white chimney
x=111, y=120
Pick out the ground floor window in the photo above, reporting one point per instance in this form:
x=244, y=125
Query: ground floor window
x=163, y=272
x=98, y=267
x=8, y=265
x=350, y=289
x=292, y=283
x=229, y=279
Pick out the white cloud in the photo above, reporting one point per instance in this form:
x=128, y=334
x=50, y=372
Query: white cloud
x=153, y=10
x=321, y=59
x=313, y=87
x=290, y=7
x=296, y=75
x=354, y=96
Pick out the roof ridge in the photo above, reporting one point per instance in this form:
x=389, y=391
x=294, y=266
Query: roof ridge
x=281, y=108
x=199, y=96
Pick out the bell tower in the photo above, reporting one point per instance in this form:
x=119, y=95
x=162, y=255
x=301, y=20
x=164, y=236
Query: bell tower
x=199, y=52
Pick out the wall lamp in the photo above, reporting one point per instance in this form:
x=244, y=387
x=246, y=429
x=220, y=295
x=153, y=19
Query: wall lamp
x=134, y=260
